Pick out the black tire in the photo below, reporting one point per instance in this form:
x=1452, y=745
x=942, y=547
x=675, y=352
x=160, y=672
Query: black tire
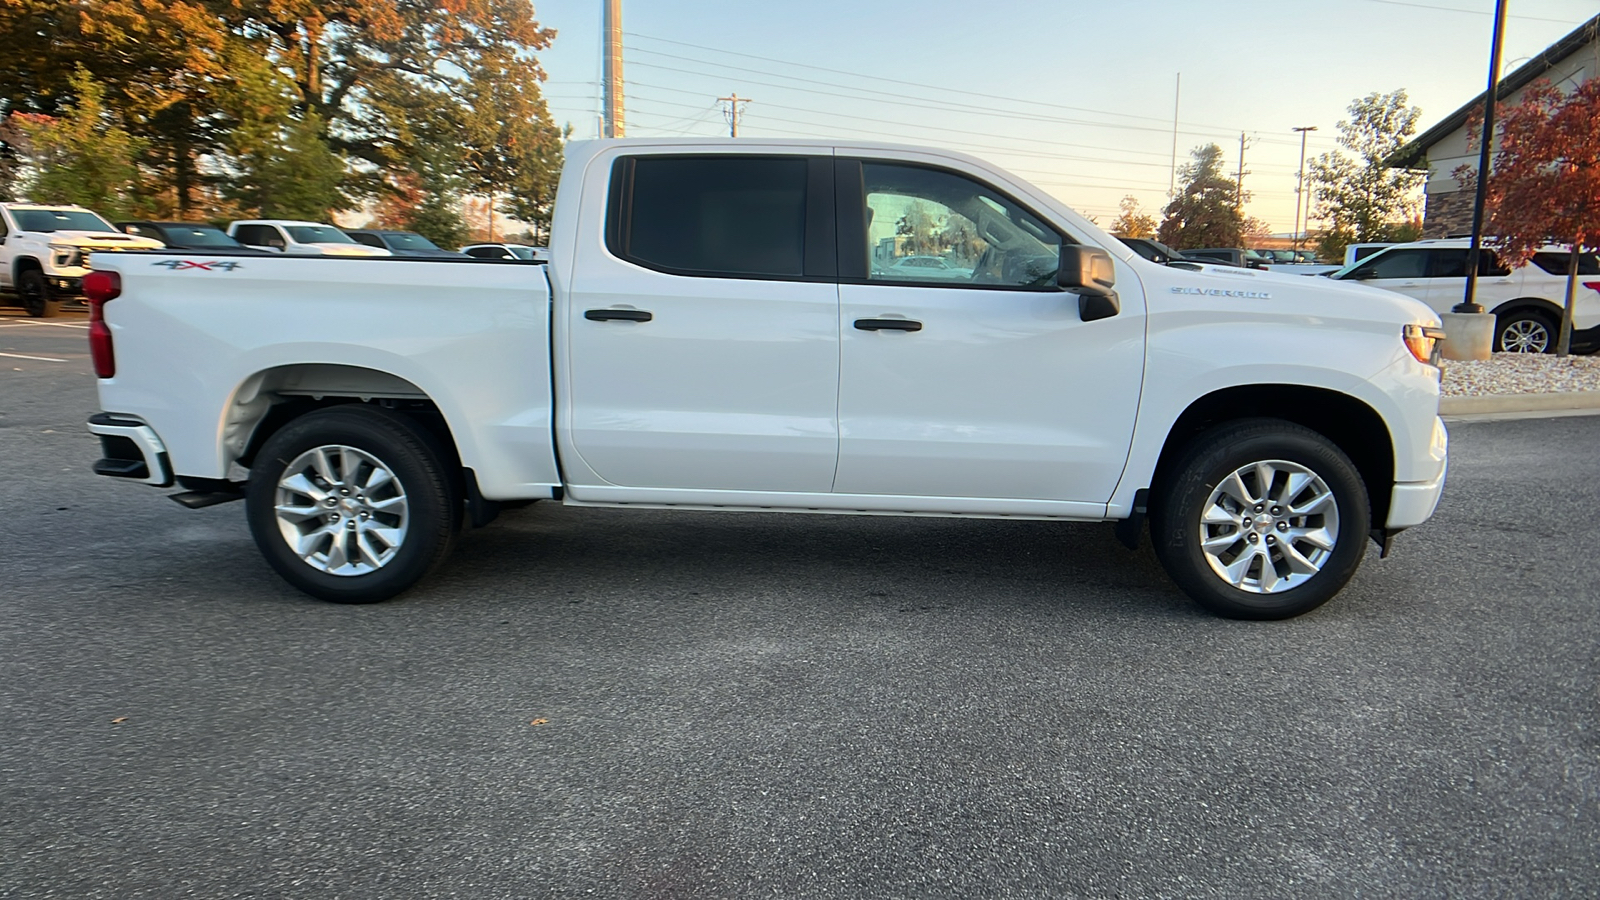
x=1184, y=492
x=1522, y=329
x=34, y=292
x=418, y=463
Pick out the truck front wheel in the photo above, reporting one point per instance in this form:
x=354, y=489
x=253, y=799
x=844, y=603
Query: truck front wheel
x=1261, y=519
x=35, y=294
x=353, y=504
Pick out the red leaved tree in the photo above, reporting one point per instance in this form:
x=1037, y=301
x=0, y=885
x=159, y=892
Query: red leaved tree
x=1545, y=184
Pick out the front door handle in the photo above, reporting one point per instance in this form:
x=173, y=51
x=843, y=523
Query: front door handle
x=888, y=325
x=618, y=315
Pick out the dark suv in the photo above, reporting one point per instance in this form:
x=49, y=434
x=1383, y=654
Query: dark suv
x=1229, y=256
x=402, y=243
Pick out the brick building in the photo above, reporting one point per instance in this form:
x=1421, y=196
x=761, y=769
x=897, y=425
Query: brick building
x=1441, y=149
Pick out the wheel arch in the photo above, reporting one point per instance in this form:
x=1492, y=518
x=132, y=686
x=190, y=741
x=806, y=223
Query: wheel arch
x=1535, y=303
x=24, y=264
x=1350, y=423
x=269, y=399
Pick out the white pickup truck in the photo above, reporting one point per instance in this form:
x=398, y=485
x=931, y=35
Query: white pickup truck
x=720, y=327
x=45, y=252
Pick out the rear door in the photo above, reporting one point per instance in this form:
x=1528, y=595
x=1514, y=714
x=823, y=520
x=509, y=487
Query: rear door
x=982, y=382
x=1447, y=279
x=703, y=337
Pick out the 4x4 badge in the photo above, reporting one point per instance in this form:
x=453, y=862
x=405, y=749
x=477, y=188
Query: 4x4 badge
x=178, y=265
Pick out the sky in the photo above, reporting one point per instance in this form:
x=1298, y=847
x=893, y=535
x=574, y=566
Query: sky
x=1076, y=97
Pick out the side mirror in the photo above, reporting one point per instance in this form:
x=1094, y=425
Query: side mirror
x=1089, y=273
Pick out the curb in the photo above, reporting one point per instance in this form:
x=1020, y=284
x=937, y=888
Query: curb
x=1507, y=403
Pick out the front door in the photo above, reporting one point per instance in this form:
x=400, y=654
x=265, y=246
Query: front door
x=703, y=338
x=1404, y=271
x=975, y=377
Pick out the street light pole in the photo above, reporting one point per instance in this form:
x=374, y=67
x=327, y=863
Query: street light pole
x=1299, y=192
x=1468, y=302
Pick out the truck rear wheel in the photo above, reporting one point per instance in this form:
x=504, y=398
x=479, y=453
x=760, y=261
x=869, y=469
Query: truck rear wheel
x=353, y=504
x=1261, y=519
x=35, y=294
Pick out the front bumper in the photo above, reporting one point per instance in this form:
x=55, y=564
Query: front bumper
x=130, y=449
x=64, y=287
x=1413, y=502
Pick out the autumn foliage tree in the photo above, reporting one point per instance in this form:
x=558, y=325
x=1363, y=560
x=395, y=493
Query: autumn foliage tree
x=1544, y=186
x=1131, y=221
x=1206, y=211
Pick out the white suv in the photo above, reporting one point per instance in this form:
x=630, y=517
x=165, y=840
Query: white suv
x=1527, y=302
x=299, y=238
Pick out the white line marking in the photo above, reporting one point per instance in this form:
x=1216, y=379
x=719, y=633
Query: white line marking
x=39, y=358
x=51, y=324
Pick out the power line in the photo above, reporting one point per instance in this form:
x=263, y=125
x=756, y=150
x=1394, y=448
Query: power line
x=1475, y=12
x=944, y=104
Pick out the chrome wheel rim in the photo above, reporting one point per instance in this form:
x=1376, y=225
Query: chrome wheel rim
x=1525, y=336
x=342, y=510
x=1269, y=527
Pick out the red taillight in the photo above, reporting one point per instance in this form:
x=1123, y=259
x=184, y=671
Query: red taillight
x=101, y=288
x=1592, y=285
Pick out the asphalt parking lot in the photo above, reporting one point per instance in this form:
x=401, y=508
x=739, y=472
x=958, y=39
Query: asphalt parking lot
x=688, y=705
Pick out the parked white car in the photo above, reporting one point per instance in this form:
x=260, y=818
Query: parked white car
x=299, y=238
x=709, y=334
x=45, y=251
x=1527, y=302
x=507, y=251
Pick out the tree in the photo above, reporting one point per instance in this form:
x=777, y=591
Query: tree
x=289, y=172
x=83, y=156
x=1131, y=223
x=1206, y=212
x=1360, y=198
x=1544, y=186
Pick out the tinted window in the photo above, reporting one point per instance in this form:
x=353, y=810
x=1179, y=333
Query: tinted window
x=319, y=234
x=195, y=236
x=1556, y=263
x=404, y=240
x=1452, y=263
x=371, y=240
x=932, y=227
x=1394, y=264
x=60, y=220
x=487, y=252
x=742, y=216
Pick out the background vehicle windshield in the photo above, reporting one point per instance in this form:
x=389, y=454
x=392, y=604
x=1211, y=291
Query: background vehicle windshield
x=60, y=220
x=200, y=236
x=318, y=234
x=406, y=241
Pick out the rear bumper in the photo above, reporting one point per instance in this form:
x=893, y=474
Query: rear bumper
x=130, y=449
x=1586, y=340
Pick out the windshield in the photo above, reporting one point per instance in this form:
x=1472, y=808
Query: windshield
x=405, y=240
x=318, y=234
x=521, y=252
x=60, y=220
x=198, y=236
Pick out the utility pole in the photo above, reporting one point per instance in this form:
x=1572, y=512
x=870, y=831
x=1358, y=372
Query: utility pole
x=612, y=125
x=1300, y=190
x=1238, y=199
x=733, y=112
x=1177, y=94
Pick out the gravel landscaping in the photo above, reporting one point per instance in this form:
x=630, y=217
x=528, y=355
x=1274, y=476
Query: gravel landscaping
x=1520, y=373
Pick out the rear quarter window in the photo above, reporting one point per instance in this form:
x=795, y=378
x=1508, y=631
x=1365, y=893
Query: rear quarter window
x=728, y=216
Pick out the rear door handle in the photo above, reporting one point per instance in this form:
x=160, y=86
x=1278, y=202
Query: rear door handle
x=618, y=315
x=888, y=325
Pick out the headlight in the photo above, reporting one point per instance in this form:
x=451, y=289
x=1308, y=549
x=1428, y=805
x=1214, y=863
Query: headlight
x=1423, y=342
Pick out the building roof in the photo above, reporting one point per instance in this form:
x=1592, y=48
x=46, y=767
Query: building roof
x=1414, y=155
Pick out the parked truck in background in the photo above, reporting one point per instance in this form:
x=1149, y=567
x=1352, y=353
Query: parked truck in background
x=714, y=331
x=45, y=251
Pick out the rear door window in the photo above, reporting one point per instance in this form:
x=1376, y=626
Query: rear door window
x=1558, y=263
x=732, y=216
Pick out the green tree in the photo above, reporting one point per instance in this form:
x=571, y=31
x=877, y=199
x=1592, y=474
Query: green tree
x=289, y=171
x=1360, y=198
x=1131, y=221
x=1206, y=211
x=83, y=156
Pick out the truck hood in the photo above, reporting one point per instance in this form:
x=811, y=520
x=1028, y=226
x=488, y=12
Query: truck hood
x=1296, y=294
x=338, y=249
x=100, y=240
